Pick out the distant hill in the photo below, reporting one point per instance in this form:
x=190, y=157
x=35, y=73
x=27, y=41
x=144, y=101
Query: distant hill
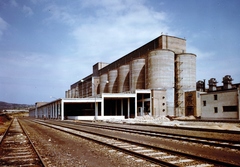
x=5, y=106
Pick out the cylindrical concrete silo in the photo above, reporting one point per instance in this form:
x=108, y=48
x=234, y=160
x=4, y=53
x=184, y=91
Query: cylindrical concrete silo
x=137, y=74
x=103, y=83
x=160, y=73
x=123, y=78
x=185, y=71
x=112, y=81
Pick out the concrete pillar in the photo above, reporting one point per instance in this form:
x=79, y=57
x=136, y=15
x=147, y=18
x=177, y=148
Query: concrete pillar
x=59, y=109
x=96, y=110
x=52, y=111
x=238, y=95
x=36, y=112
x=102, y=109
x=62, y=110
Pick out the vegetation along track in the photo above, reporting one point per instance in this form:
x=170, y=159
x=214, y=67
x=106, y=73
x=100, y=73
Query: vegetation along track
x=17, y=149
x=156, y=155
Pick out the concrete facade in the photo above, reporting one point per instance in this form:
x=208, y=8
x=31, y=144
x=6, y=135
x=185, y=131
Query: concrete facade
x=154, y=66
x=216, y=102
x=150, y=80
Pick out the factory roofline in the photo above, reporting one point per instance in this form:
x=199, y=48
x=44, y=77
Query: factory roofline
x=137, y=53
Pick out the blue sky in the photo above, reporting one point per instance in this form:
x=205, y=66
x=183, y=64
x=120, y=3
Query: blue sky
x=47, y=45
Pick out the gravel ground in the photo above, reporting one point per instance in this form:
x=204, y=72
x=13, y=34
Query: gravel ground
x=61, y=149
x=162, y=120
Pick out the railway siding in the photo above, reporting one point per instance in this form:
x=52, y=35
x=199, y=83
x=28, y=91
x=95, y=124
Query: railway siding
x=189, y=148
x=16, y=149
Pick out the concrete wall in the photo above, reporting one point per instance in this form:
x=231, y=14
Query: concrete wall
x=160, y=74
x=224, y=98
x=185, y=79
x=150, y=66
x=159, y=102
x=177, y=45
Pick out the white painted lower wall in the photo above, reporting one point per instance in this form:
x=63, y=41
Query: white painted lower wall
x=93, y=117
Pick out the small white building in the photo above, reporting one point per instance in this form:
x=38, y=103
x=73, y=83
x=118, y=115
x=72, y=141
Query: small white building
x=216, y=102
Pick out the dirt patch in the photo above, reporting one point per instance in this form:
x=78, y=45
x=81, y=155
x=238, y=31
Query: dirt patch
x=4, y=123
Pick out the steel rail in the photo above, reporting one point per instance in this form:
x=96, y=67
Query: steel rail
x=6, y=131
x=35, y=149
x=147, y=158
x=195, y=139
x=213, y=161
x=17, y=148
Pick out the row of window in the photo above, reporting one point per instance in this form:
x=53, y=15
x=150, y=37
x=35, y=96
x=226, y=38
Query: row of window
x=227, y=109
x=215, y=98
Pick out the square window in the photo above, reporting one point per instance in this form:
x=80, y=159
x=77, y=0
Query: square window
x=215, y=97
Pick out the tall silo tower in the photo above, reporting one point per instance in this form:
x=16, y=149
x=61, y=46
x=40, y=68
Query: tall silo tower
x=103, y=83
x=112, y=78
x=160, y=75
x=137, y=74
x=123, y=78
x=185, y=79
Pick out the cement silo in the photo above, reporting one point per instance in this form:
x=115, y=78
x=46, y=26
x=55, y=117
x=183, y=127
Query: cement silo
x=103, y=83
x=123, y=78
x=137, y=74
x=112, y=81
x=185, y=71
x=160, y=75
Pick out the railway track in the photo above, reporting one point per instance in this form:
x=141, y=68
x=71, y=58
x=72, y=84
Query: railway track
x=17, y=149
x=153, y=154
x=199, y=140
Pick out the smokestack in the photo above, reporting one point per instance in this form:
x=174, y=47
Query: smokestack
x=212, y=84
x=200, y=86
x=227, y=82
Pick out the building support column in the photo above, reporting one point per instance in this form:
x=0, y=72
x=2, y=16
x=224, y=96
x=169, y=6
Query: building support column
x=52, y=110
x=102, y=109
x=142, y=111
x=238, y=95
x=62, y=109
x=59, y=109
x=36, y=112
x=96, y=110
x=136, y=108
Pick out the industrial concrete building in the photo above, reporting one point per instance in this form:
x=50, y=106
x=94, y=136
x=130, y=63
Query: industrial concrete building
x=151, y=79
x=158, y=78
x=216, y=102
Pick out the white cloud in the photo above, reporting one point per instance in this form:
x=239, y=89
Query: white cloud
x=107, y=30
x=211, y=65
x=27, y=10
x=13, y=3
x=59, y=14
x=115, y=28
x=200, y=53
x=3, y=26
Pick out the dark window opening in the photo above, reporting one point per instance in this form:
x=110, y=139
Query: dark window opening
x=230, y=108
x=215, y=97
x=204, y=103
x=215, y=110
